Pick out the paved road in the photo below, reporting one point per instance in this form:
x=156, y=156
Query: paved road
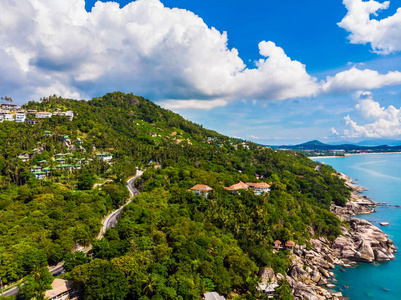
x=110, y=221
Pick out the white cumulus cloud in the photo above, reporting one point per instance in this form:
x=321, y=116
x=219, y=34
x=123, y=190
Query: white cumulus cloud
x=379, y=121
x=356, y=79
x=384, y=35
x=56, y=46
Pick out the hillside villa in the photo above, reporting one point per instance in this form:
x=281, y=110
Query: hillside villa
x=259, y=187
x=201, y=189
x=236, y=187
x=43, y=115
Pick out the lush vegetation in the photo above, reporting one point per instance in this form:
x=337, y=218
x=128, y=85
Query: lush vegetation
x=168, y=244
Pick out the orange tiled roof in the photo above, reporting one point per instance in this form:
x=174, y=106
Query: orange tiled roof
x=290, y=243
x=277, y=242
x=258, y=184
x=201, y=187
x=238, y=186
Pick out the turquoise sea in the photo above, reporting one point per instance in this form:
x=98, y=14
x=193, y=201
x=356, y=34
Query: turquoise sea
x=380, y=174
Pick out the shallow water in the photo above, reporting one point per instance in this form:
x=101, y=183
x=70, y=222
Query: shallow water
x=380, y=174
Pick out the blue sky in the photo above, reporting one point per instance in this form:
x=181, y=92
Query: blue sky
x=274, y=72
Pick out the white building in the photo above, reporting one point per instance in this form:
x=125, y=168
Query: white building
x=259, y=187
x=43, y=115
x=40, y=175
x=104, y=156
x=1, y=118
x=20, y=118
x=10, y=106
x=8, y=117
x=201, y=189
x=70, y=115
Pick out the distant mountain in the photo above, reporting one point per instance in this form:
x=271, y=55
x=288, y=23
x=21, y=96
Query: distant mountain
x=312, y=143
x=379, y=142
x=379, y=145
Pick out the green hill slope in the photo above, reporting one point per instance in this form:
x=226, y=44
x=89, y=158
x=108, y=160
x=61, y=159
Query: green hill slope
x=168, y=244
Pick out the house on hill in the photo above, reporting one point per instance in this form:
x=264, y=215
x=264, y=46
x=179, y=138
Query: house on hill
x=20, y=117
x=35, y=169
x=43, y=115
x=104, y=156
x=40, y=175
x=201, y=189
x=9, y=106
x=289, y=245
x=236, y=187
x=259, y=187
x=277, y=245
x=27, y=156
x=70, y=115
x=32, y=121
x=60, y=290
x=8, y=117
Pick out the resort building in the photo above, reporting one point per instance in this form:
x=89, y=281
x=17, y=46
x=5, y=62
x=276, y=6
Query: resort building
x=47, y=170
x=40, y=175
x=9, y=106
x=36, y=169
x=201, y=189
x=269, y=289
x=70, y=115
x=277, y=245
x=259, y=187
x=289, y=245
x=236, y=187
x=104, y=156
x=60, y=290
x=20, y=118
x=32, y=121
x=43, y=115
x=8, y=117
x=27, y=156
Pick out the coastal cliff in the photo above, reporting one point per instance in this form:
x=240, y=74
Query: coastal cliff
x=310, y=276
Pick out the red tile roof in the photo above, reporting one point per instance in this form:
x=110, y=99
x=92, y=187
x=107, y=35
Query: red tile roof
x=290, y=243
x=258, y=184
x=238, y=186
x=201, y=187
x=277, y=242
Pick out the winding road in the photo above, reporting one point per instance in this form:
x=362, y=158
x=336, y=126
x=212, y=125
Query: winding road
x=109, y=222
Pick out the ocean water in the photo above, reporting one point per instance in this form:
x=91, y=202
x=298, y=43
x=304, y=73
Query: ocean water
x=380, y=174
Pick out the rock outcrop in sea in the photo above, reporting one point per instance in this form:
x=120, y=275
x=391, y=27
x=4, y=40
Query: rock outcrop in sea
x=310, y=276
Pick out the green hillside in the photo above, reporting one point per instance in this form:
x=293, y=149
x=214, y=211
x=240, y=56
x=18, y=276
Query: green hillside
x=169, y=243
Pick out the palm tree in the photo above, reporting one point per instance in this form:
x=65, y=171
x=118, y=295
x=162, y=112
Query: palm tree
x=150, y=284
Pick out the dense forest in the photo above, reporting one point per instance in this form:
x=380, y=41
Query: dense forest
x=168, y=243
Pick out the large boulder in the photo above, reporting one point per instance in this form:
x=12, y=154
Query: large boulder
x=316, y=245
x=380, y=255
x=298, y=273
x=366, y=252
x=267, y=275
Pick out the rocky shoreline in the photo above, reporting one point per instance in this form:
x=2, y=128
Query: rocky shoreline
x=310, y=275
